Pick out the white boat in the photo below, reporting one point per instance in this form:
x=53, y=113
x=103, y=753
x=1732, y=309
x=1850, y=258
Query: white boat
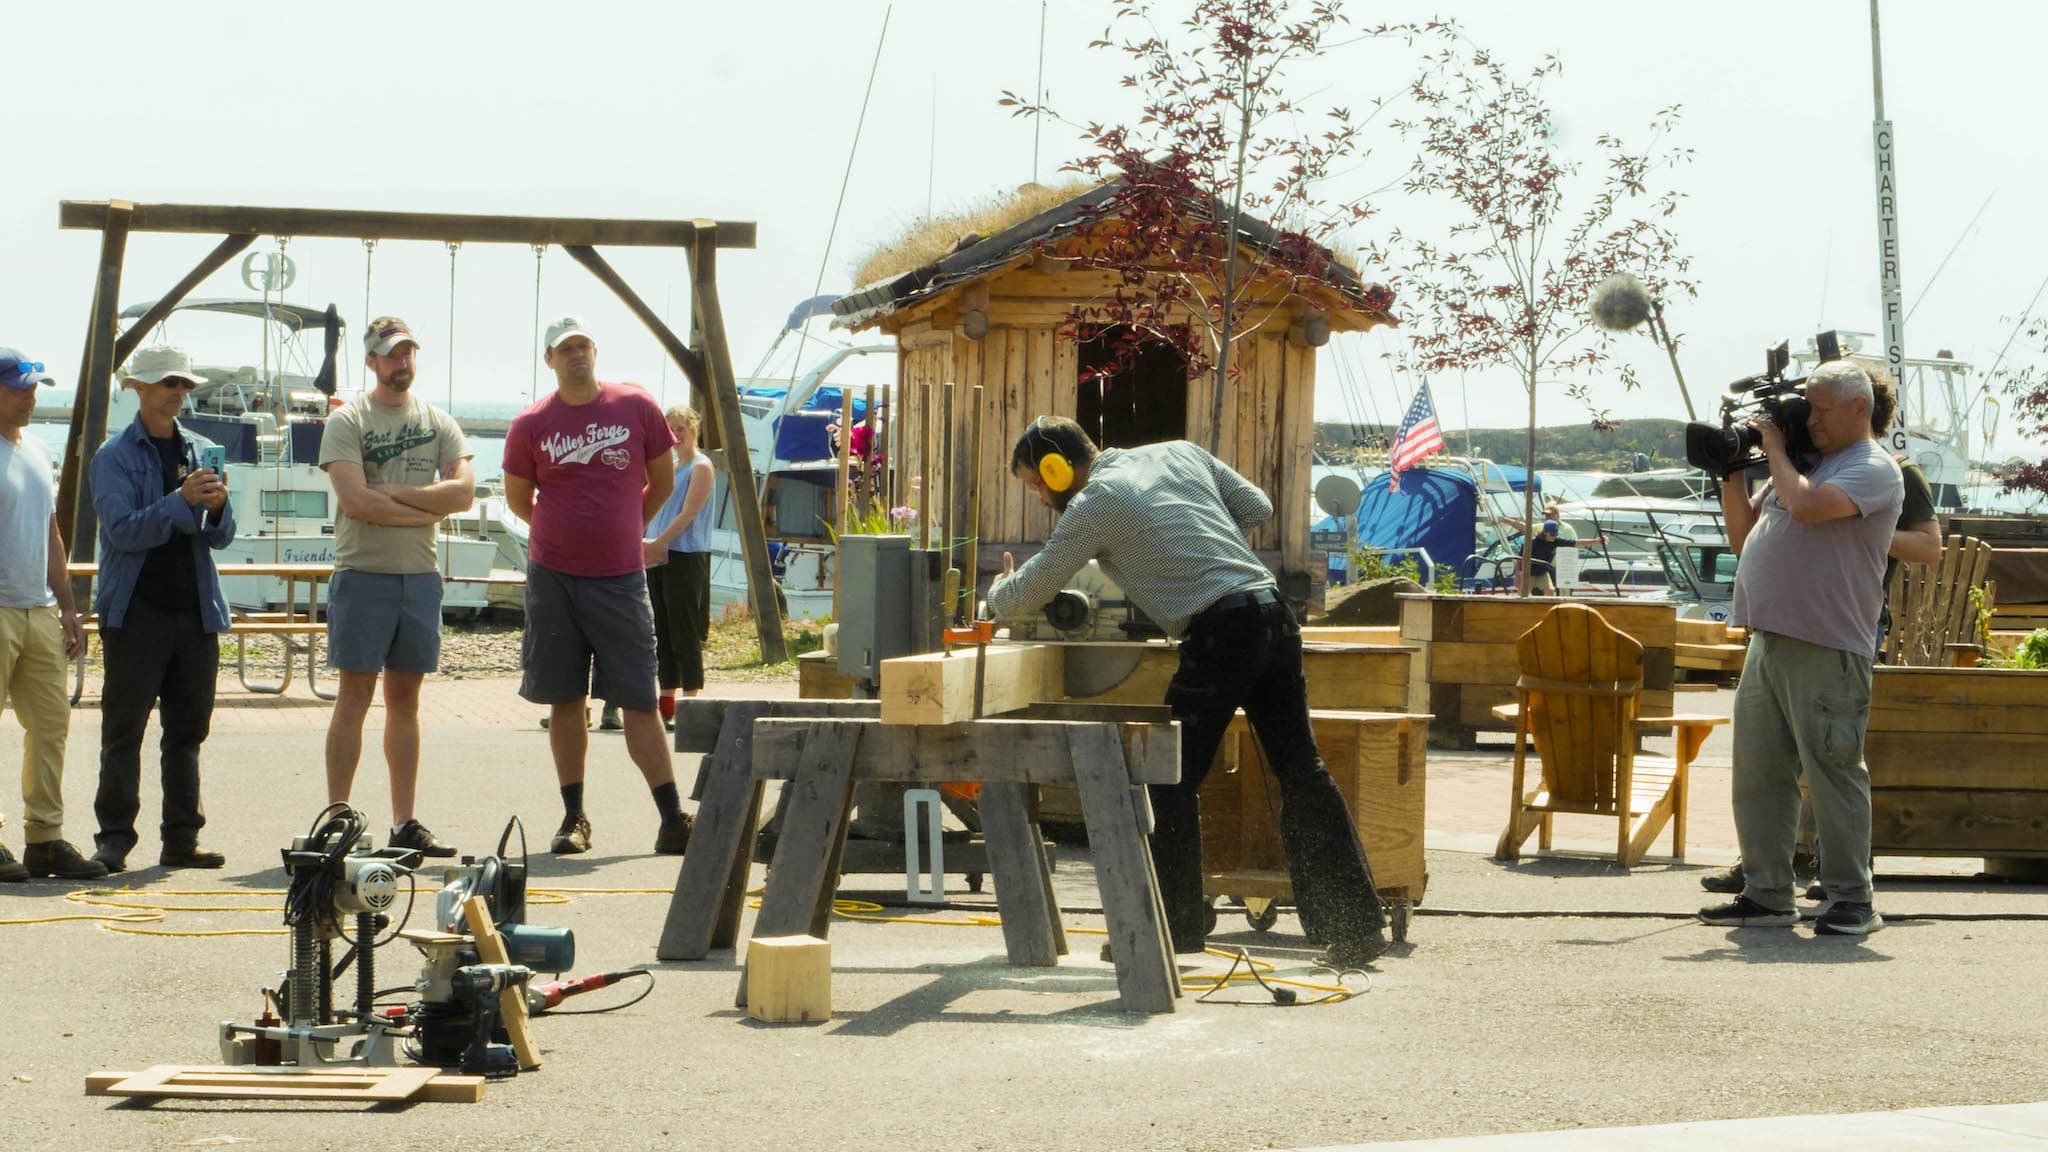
x=1938, y=401
x=785, y=414
x=269, y=419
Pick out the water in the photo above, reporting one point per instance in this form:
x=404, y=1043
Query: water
x=490, y=450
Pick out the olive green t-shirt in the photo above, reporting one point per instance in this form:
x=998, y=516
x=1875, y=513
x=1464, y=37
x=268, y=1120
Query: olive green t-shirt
x=407, y=444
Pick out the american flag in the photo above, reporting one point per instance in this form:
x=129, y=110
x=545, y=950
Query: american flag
x=1418, y=438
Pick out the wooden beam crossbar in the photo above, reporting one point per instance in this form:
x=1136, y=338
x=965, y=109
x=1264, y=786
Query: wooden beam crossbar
x=709, y=369
x=446, y=228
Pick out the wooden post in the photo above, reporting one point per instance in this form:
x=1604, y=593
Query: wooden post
x=89, y=405
x=867, y=470
x=924, y=464
x=739, y=466
x=845, y=458
x=971, y=571
x=946, y=468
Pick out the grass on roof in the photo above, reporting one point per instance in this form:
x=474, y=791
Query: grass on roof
x=933, y=239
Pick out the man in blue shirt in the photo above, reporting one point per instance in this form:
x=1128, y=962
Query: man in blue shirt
x=160, y=607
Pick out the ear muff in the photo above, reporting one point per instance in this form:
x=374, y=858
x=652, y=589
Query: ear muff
x=1053, y=467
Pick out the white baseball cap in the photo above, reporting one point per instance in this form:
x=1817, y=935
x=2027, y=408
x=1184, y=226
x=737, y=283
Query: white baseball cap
x=154, y=364
x=386, y=333
x=566, y=327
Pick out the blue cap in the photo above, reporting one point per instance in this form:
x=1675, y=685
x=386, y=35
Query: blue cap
x=1550, y=526
x=19, y=372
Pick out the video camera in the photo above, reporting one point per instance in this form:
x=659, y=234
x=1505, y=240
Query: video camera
x=1735, y=445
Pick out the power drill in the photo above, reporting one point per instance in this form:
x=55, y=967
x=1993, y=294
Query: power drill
x=480, y=984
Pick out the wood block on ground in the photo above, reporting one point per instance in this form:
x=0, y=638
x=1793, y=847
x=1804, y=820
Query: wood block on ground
x=938, y=687
x=789, y=979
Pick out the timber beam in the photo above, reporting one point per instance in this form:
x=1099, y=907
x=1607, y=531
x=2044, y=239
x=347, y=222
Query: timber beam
x=939, y=687
x=988, y=751
x=443, y=227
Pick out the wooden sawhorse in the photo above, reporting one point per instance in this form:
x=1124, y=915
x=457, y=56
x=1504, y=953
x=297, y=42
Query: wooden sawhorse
x=824, y=747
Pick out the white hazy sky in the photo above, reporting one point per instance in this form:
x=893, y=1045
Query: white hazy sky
x=747, y=112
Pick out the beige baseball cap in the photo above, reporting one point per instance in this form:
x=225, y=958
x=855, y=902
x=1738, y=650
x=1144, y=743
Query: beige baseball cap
x=386, y=333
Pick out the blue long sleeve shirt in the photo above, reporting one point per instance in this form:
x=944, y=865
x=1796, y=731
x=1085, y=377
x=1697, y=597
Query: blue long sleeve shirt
x=136, y=515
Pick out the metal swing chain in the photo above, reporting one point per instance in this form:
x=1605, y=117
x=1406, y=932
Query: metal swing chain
x=533, y=383
x=447, y=546
x=369, y=275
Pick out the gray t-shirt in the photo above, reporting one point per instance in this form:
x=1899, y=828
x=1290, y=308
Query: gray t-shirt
x=1823, y=583
x=408, y=444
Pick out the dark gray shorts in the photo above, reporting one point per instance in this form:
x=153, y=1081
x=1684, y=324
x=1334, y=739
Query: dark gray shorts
x=380, y=620
x=587, y=636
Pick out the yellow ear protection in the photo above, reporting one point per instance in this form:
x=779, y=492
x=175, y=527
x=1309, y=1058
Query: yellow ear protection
x=1053, y=467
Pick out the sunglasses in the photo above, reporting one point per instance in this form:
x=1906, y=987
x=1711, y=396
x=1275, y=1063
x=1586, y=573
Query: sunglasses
x=23, y=367
x=178, y=382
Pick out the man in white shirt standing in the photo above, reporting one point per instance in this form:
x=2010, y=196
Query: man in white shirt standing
x=39, y=629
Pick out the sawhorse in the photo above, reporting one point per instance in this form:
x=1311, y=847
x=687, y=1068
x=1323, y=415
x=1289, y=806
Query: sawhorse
x=822, y=748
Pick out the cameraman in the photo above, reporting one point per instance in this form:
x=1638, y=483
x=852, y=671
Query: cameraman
x=1808, y=588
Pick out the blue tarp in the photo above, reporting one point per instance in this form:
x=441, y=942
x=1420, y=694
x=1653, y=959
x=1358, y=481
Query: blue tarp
x=1436, y=510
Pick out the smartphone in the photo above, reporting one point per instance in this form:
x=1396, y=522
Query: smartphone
x=215, y=457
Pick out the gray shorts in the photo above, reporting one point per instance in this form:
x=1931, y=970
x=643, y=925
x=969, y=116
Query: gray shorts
x=587, y=636
x=380, y=620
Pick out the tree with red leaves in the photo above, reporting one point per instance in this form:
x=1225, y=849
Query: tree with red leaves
x=1509, y=282
x=1209, y=151
x=2027, y=385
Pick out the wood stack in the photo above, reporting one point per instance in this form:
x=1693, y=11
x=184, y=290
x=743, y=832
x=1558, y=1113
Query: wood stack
x=1710, y=650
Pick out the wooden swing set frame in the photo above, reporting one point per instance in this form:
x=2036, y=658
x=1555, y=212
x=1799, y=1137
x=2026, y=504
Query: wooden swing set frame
x=706, y=360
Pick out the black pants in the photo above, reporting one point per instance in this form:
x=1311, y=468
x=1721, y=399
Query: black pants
x=154, y=658
x=1250, y=657
x=681, y=592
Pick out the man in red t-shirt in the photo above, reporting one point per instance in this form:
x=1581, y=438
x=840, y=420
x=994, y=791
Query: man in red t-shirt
x=587, y=467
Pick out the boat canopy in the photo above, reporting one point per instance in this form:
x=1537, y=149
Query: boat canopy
x=297, y=317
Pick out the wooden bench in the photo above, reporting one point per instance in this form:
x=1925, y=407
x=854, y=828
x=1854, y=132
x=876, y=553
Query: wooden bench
x=258, y=624
x=824, y=748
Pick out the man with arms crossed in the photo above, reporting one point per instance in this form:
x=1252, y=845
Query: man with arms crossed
x=588, y=467
x=398, y=466
x=39, y=629
x=1809, y=588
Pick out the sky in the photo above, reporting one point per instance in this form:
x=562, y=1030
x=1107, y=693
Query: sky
x=749, y=112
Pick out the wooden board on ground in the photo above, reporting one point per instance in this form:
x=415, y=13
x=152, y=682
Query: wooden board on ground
x=368, y=1085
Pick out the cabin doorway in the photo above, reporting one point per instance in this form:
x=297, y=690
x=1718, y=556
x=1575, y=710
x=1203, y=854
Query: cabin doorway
x=1132, y=388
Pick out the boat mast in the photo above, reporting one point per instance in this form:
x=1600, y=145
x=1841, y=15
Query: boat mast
x=1888, y=237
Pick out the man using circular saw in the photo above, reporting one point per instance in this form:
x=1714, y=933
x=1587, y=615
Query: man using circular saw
x=1167, y=522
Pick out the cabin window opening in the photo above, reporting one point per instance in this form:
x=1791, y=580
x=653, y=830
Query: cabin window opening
x=1131, y=388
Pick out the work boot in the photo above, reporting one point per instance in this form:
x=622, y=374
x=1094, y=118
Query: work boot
x=418, y=837
x=572, y=837
x=12, y=871
x=58, y=858
x=1728, y=881
x=674, y=836
x=1354, y=955
x=115, y=860
x=610, y=721
x=191, y=856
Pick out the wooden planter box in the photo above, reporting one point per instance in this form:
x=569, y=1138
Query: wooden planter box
x=1379, y=761
x=1465, y=662
x=1955, y=763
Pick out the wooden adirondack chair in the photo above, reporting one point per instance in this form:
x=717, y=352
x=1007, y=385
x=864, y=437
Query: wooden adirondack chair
x=1932, y=615
x=1577, y=700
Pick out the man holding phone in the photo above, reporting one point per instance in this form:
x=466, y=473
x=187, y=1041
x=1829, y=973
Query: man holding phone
x=162, y=515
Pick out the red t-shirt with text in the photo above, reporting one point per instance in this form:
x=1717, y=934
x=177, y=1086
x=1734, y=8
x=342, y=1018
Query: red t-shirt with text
x=588, y=466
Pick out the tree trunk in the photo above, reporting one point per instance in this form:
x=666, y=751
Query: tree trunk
x=1523, y=581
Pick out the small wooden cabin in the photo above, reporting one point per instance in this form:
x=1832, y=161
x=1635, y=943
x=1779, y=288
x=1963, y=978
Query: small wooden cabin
x=997, y=311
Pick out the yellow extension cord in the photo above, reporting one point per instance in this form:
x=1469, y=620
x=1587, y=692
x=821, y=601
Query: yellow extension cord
x=128, y=912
